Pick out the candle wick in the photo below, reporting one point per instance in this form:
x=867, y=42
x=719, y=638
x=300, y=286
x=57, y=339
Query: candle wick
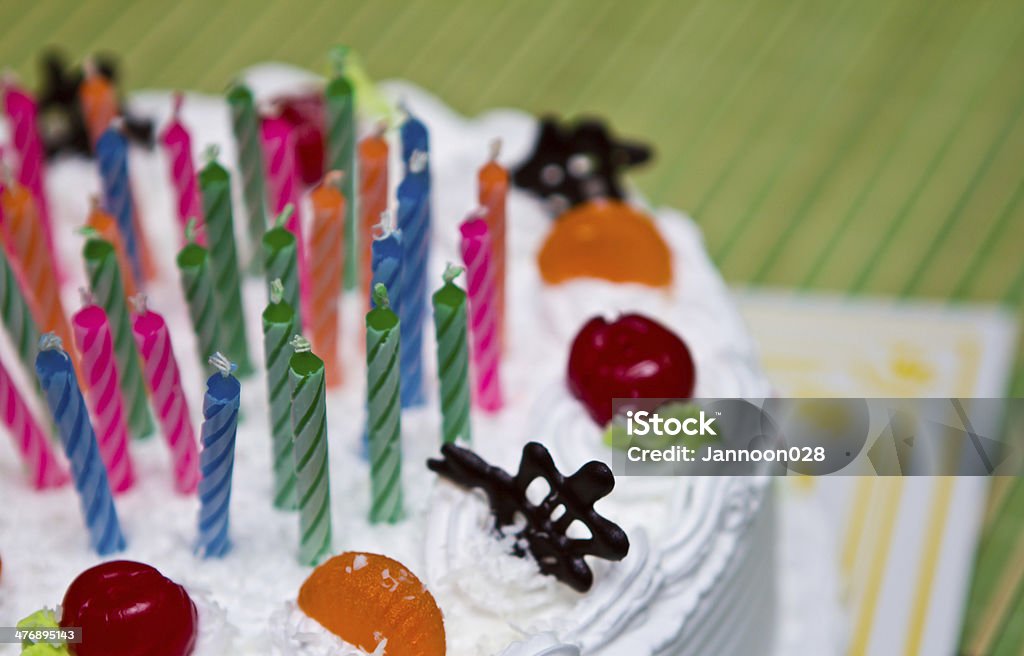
x=86, y=296
x=451, y=272
x=139, y=302
x=381, y=128
x=276, y=291
x=418, y=161
x=479, y=212
x=334, y=178
x=386, y=226
x=300, y=344
x=117, y=124
x=380, y=296
x=50, y=342
x=191, y=229
x=89, y=232
x=339, y=57
x=285, y=214
x=179, y=99
x=211, y=152
x=222, y=364
x=495, y=149
x=90, y=68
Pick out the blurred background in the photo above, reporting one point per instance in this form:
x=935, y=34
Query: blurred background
x=859, y=147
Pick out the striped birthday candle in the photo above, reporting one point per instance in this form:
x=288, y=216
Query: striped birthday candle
x=92, y=335
x=26, y=242
x=373, y=193
x=326, y=255
x=386, y=259
x=220, y=426
x=177, y=143
x=384, y=420
x=492, y=192
x=98, y=100
x=161, y=371
x=31, y=442
x=197, y=286
x=106, y=286
x=23, y=114
x=309, y=428
x=16, y=310
x=64, y=398
x=281, y=262
x=278, y=327
x=452, y=357
x=414, y=222
x=215, y=183
x=340, y=99
x=112, y=159
x=284, y=186
x=483, y=313
x=245, y=126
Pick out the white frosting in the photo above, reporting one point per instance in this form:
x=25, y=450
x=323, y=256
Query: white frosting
x=697, y=579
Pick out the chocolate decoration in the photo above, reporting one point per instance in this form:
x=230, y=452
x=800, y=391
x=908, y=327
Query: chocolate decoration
x=556, y=553
x=571, y=164
x=61, y=123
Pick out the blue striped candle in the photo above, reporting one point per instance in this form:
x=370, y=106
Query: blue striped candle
x=386, y=259
x=414, y=222
x=112, y=157
x=217, y=460
x=60, y=386
x=414, y=138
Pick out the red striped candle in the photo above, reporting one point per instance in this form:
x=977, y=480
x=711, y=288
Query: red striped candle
x=164, y=380
x=483, y=313
x=94, y=341
x=284, y=185
x=23, y=115
x=44, y=469
x=177, y=143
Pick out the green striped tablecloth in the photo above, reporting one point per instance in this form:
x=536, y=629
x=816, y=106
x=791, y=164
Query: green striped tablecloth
x=868, y=146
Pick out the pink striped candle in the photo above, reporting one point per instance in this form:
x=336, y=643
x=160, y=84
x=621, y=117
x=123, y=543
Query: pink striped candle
x=177, y=143
x=483, y=313
x=284, y=185
x=30, y=440
x=23, y=115
x=92, y=335
x=164, y=380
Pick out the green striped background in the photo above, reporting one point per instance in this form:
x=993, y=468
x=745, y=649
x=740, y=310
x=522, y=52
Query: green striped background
x=864, y=146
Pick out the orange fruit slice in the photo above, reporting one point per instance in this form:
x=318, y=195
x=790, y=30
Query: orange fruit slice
x=609, y=240
x=366, y=598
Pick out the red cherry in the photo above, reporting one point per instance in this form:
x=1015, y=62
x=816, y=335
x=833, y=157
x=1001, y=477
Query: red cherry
x=630, y=358
x=129, y=609
x=306, y=115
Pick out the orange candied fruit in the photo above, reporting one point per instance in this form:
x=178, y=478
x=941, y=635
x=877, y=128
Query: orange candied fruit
x=366, y=598
x=606, y=239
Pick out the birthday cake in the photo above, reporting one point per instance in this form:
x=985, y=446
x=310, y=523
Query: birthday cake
x=696, y=573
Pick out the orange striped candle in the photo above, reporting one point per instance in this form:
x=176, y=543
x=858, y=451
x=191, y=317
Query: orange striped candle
x=326, y=260
x=106, y=226
x=492, y=181
x=26, y=243
x=373, y=194
x=99, y=102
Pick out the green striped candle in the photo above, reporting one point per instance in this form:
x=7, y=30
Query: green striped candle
x=108, y=290
x=196, y=284
x=452, y=357
x=281, y=262
x=341, y=154
x=384, y=421
x=309, y=430
x=215, y=183
x=278, y=327
x=17, y=314
x=246, y=128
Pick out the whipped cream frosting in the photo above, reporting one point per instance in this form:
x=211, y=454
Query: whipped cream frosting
x=697, y=579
